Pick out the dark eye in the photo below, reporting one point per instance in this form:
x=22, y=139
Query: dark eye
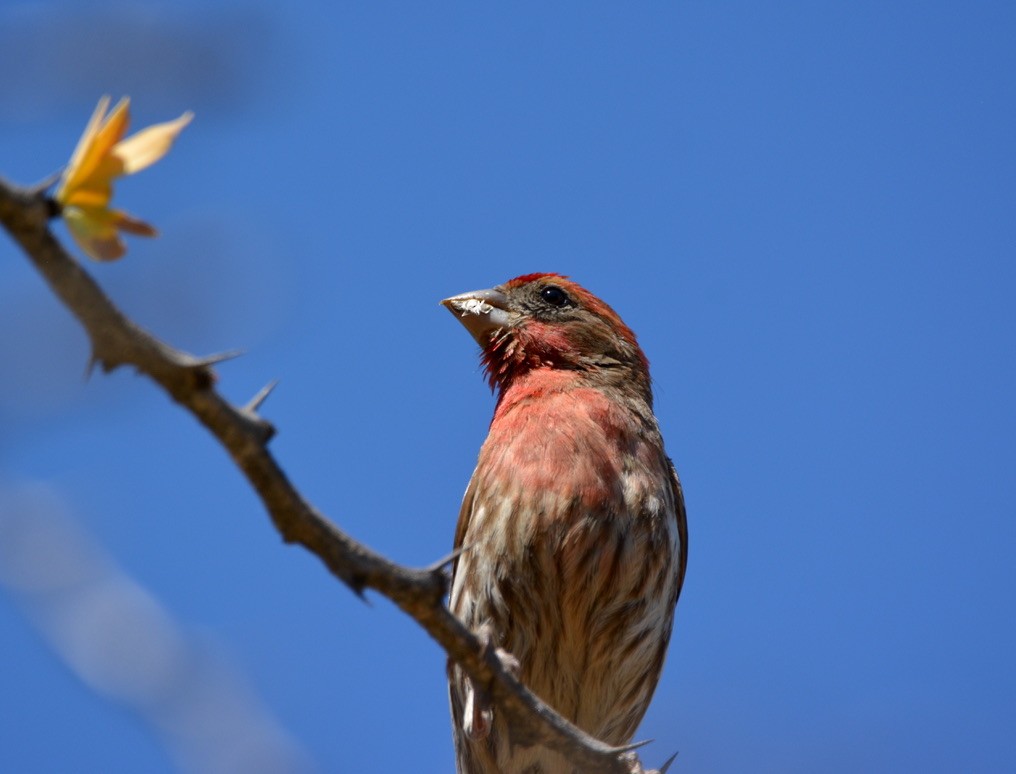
x=554, y=296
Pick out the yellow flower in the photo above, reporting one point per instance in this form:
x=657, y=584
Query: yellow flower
x=86, y=186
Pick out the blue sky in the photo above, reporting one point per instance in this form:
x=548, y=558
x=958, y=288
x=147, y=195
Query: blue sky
x=804, y=211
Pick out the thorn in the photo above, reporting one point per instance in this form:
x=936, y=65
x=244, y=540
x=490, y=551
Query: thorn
x=46, y=183
x=668, y=762
x=440, y=564
x=633, y=746
x=357, y=584
x=255, y=403
x=218, y=357
x=201, y=367
x=95, y=360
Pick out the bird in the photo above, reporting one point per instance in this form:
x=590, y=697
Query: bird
x=572, y=540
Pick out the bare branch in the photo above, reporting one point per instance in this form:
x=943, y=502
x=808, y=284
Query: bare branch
x=117, y=341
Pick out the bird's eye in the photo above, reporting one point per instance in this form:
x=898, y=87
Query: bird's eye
x=553, y=295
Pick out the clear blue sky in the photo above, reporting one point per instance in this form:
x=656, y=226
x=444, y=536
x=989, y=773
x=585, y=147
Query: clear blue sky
x=805, y=211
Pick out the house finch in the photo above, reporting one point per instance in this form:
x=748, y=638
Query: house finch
x=573, y=521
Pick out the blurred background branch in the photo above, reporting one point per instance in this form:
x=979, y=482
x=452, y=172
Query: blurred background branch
x=116, y=637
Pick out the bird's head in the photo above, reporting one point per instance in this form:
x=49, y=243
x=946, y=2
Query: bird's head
x=547, y=321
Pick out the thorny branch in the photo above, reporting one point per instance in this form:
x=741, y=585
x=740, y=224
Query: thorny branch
x=117, y=341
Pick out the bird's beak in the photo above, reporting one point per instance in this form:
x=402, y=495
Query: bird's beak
x=481, y=311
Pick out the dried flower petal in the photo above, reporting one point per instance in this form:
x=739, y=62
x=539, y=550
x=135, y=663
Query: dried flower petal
x=101, y=155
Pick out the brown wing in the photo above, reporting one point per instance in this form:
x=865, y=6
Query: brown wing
x=474, y=756
x=463, y=524
x=682, y=525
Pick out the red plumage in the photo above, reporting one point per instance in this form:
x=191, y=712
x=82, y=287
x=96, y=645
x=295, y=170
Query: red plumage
x=574, y=521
